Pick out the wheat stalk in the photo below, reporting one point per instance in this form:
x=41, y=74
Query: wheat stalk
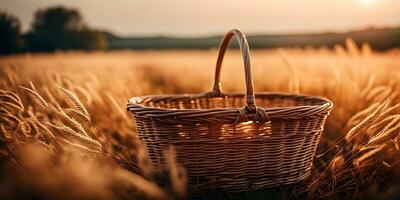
x=353, y=132
x=367, y=155
x=7, y=115
x=376, y=91
x=390, y=131
x=77, y=146
x=352, y=48
x=289, y=65
x=47, y=132
x=392, y=110
x=85, y=93
x=13, y=105
x=4, y=134
x=51, y=97
x=78, y=113
x=369, y=86
x=75, y=100
x=116, y=105
x=12, y=97
x=89, y=142
x=36, y=96
x=379, y=125
x=360, y=115
x=75, y=123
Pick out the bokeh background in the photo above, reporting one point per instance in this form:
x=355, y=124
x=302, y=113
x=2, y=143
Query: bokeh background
x=108, y=25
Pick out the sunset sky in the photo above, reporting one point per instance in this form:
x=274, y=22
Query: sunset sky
x=209, y=17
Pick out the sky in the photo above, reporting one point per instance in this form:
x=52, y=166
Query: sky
x=209, y=17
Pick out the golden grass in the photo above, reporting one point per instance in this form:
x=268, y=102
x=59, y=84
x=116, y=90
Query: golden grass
x=80, y=123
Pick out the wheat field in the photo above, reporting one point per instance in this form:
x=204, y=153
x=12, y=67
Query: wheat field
x=66, y=134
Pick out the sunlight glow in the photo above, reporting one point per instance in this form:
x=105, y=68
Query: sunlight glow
x=367, y=2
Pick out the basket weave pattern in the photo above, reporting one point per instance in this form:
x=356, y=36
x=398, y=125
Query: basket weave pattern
x=227, y=142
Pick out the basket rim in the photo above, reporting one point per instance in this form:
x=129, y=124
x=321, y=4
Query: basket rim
x=225, y=115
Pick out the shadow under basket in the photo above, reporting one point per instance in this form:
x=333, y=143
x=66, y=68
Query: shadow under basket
x=226, y=142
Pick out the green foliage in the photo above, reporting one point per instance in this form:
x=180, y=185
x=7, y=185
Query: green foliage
x=60, y=28
x=10, y=38
x=66, y=40
x=57, y=19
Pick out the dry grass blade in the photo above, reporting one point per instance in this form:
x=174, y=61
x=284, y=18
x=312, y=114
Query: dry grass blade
x=36, y=96
x=75, y=100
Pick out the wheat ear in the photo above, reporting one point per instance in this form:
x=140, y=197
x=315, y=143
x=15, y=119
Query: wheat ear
x=89, y=142
x=47, y=132
x=9, y=104
x=13, y=98
x=358, y=116
x=36, y=96
x=390, y=131
x=78, y=113
x=353, y=132
x=85, y=93
x=75, y=123
x=75, y=100
x=370, y=153
x=77, y=146
x=376, y=91
x=379, y=125
x=393, y=110
x=7, y=116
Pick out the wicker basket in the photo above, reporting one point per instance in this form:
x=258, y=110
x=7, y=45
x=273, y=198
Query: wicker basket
x=227, y=142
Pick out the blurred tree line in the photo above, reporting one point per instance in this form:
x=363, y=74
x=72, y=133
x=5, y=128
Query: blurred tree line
x=54, y=28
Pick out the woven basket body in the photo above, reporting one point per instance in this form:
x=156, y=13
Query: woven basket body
x=225, y=141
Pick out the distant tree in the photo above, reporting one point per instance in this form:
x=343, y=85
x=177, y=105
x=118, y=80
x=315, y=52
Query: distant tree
x=58, y=19
x=11, y=40
x=62, y=28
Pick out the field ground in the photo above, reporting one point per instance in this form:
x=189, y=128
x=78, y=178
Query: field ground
x=357, y=156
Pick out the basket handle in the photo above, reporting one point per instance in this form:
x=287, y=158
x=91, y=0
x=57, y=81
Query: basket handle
x=244, y=47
